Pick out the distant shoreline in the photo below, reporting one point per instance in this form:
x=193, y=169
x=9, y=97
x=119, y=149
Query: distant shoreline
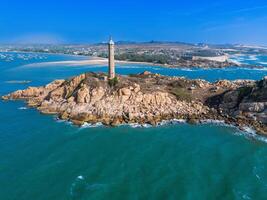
x=91, y=61
x=98, y=61
x=94, y=60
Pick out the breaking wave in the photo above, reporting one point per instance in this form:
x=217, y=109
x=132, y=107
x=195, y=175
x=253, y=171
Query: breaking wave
x=250, y=133
x=80, y=186
x=90, y=125
x=22, y=108
x=263, y=63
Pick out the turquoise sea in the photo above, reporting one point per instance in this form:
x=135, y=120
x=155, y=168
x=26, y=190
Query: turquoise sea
x=42, y=158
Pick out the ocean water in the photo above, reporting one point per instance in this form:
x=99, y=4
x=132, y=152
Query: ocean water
x=260, y=60
x=42, y=158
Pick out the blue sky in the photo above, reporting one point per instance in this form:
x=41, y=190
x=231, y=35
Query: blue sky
x=51, y=21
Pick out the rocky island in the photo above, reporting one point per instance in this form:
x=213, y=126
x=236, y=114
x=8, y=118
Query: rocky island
x=150, y=98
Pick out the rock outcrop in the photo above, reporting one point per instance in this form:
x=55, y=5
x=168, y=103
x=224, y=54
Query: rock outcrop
x=149, y=98
x=245, y=103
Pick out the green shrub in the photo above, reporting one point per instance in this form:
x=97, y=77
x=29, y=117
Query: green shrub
x=182, y=94
x=113, y=82
x=130, y=56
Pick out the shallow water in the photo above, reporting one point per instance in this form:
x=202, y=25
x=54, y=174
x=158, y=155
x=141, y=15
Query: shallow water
x=42, y=158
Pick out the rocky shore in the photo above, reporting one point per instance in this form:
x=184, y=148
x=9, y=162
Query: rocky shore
x=150, y=98
x=203, y=63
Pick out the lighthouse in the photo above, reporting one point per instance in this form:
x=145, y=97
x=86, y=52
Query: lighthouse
x=111, y=60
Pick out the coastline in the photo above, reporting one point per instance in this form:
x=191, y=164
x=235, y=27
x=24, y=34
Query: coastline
x=246, y=131
x=141, y=99
x=221, y=122
x=100, y=61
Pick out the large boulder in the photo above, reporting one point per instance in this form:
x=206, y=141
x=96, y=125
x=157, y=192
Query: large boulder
x=97, y=94
x=252, y=107
x=83, y=95
x=230, y=100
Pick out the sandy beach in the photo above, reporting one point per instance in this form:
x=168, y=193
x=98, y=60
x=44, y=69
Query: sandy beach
x=91, y=61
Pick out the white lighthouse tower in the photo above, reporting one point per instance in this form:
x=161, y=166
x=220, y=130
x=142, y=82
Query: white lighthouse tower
x=111, y=59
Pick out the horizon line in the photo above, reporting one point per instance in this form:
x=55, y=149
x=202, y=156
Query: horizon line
x=132, y=42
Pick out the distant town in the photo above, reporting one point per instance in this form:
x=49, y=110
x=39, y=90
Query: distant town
x=171, y=54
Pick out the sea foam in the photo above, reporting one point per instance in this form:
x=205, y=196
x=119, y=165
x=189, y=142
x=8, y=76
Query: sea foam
x=90, y=125
x=263, y=63
x=22, y=108
x=253, y=57
x=80, y=177
x=250, y=133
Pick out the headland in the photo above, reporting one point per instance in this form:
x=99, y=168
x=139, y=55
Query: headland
x=150, y=98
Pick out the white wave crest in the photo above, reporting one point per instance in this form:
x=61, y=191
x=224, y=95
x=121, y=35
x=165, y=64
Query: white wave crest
x=187, y=69
x=212, y=121
x=249, y=130
x=80, y=177
x=250, y=133
x=137, y=125
x=263, y=63
x=90, y=125
x=253, y=57
x=22, y=108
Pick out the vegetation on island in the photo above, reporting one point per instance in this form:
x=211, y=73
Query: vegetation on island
x=113, y=82
x=157, y=58
x=150, y=98
x=182, y=94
